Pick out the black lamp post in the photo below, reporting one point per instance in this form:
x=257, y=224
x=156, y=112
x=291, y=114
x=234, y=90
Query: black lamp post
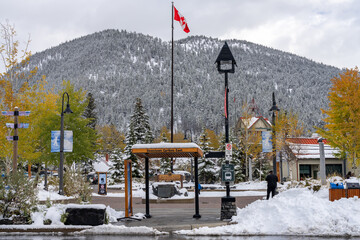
x=191, y=161
x=226, y=64
x=61, y=167
x=273, y=109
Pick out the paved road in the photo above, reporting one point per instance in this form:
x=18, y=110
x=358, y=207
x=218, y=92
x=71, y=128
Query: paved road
x=175, y=216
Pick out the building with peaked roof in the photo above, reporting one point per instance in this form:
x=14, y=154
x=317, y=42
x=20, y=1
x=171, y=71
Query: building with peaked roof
x=253, y=124
x=303, y=159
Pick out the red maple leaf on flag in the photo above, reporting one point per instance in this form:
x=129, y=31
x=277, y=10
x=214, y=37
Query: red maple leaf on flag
x=181, y=19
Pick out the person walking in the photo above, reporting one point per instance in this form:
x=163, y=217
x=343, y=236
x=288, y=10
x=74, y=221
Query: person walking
x=272, y=180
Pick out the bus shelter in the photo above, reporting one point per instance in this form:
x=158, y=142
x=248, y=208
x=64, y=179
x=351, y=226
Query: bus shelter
x=169, y=150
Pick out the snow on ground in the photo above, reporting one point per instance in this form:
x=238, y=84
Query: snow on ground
x=51, y=195
x=297, y=211
x=120, y=230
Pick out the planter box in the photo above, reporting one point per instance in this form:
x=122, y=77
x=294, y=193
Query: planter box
x=352, y=193
x=336, y=194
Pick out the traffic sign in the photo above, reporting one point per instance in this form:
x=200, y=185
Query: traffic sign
x=227, y=173
x=228, y=151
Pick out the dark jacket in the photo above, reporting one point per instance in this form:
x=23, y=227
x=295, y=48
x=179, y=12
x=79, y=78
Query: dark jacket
x=272, y=180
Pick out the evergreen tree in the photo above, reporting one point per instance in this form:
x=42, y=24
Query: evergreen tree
x=165, y=163
x=90, y=111
x=238, y=160
x=207, y=167
x=261, y=166
x=138, y=132
x=90, y=114
x=118, y=165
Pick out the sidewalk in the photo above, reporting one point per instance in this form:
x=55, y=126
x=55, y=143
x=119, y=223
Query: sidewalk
x=165, y=217
x=173, y=219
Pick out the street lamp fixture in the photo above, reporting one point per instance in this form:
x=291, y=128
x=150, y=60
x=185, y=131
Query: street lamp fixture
x=226, y=64
x=225, y=61
x=61, y=167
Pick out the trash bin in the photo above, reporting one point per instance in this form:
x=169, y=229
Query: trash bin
x=336, y=191
x=353, y=189
x=336, y=185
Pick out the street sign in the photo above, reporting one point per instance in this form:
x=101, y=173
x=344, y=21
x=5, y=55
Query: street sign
x=7, y=113
x=11, y=113
x=24, y=113
x=21, y=125
x=228, y=151
x=9, y=138
x=227, y=173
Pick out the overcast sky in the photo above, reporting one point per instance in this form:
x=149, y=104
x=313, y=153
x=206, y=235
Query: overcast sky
x=326, y=31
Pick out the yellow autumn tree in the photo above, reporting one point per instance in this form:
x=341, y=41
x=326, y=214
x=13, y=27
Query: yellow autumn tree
x=15, y=91
x=110, y=139
x=342, y=119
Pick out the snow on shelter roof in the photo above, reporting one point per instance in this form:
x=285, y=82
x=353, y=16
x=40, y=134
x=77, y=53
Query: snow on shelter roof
x=160, y=150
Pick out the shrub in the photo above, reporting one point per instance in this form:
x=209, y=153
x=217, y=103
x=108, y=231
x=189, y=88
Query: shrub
x=75, y=184
x=18, y=196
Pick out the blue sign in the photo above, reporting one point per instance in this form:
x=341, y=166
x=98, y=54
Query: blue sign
x=266, y=141
x=55, y=141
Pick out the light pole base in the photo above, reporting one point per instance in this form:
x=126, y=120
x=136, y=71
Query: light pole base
x=228, y=208
x=197, y=216
x=147, y=215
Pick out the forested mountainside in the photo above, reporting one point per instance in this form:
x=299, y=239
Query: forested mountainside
x=119, y=66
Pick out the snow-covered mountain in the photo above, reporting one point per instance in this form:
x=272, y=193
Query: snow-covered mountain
x=118, y=66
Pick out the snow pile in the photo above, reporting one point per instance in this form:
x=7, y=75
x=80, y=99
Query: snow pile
x=120, y=230
x=293, y=212
x=113, y=214
x=50, y=195
x=54, y=213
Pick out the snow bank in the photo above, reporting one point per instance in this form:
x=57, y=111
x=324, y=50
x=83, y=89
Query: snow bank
x=120, y=230
x=293, y=212
x=54, y=213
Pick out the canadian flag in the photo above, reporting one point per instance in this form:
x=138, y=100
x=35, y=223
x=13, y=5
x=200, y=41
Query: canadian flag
x=181, y=19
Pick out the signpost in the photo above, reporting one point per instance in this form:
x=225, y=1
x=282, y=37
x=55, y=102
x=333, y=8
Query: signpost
x=16, y=125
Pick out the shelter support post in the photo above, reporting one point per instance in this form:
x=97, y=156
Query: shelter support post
x=196, y=190
x=147, y=215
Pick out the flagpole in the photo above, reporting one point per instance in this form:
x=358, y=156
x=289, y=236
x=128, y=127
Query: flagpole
x=172, y=80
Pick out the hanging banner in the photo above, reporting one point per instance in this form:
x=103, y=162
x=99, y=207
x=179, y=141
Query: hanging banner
x=266, y=141
x=102, y=188
x=55, y=141
x=128, y=189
